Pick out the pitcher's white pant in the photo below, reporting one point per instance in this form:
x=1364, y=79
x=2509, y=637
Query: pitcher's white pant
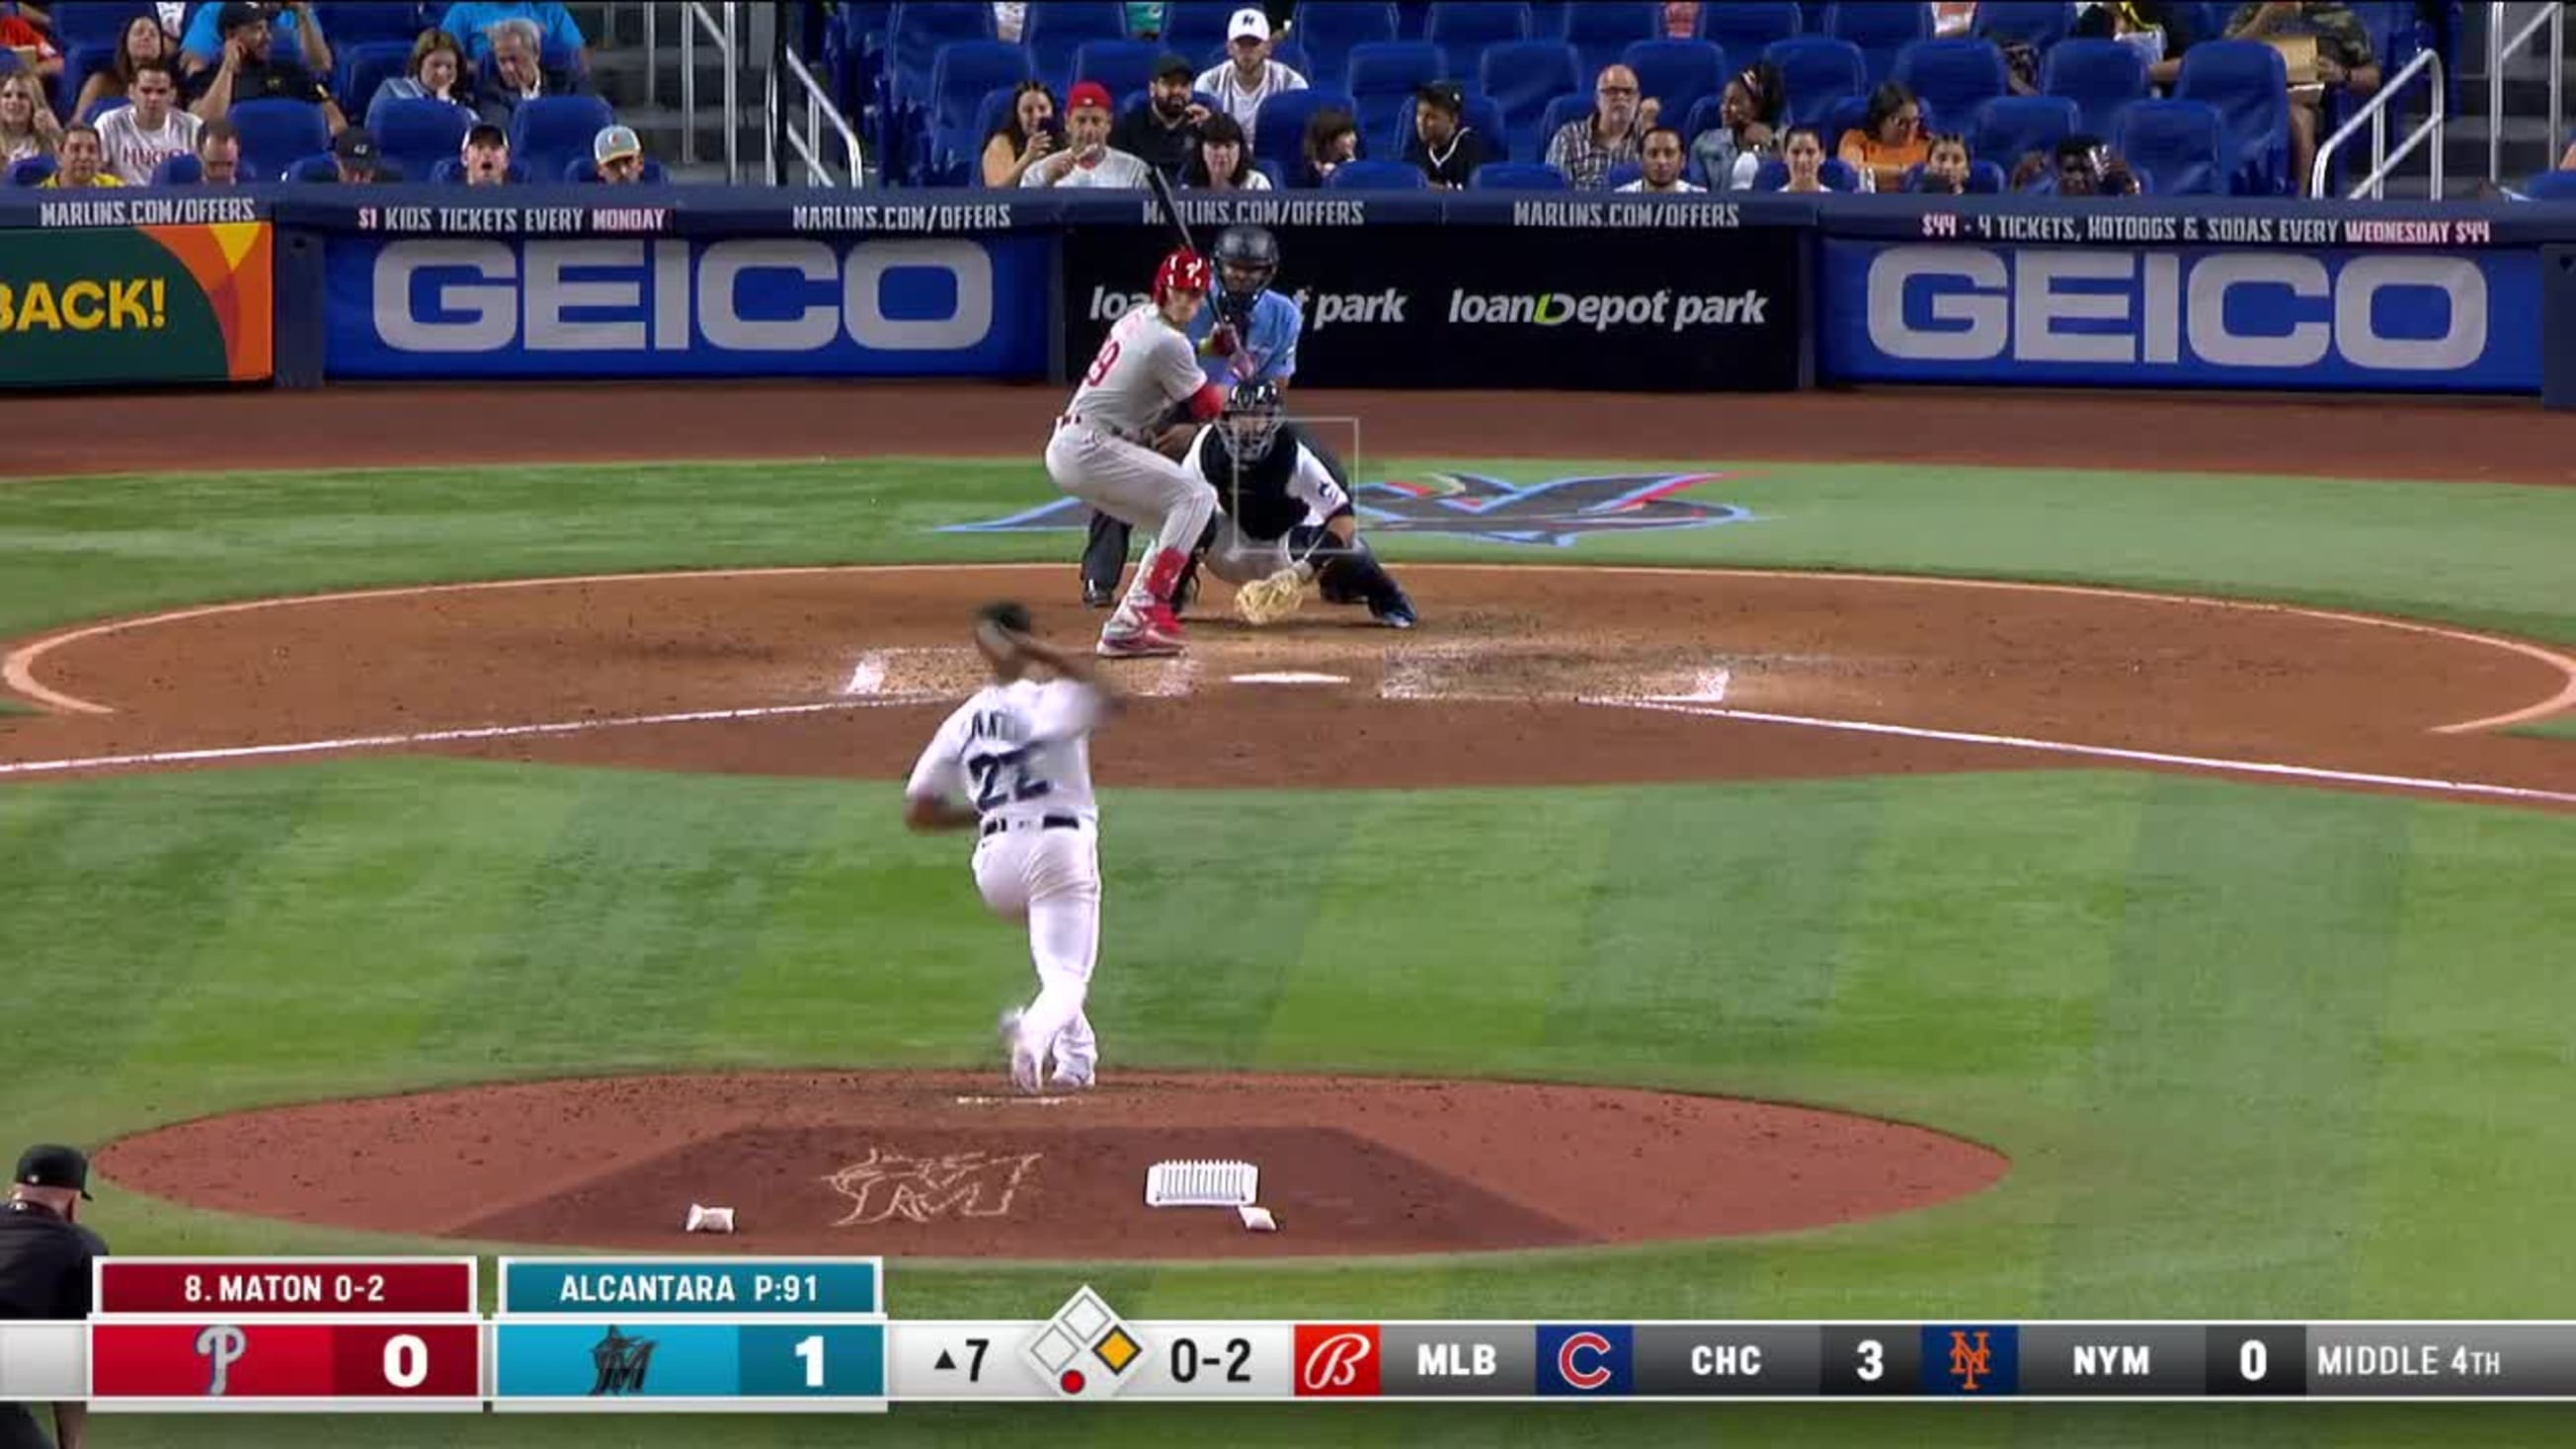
x=1051, y=879
x=1136, y=485
x=1239, y=559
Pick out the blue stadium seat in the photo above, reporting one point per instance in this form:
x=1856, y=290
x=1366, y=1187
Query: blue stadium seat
x=1621, y=174
x=1384, y=74
x=585, y=171
x=1835, y=174
x=1121, y=65
x=550, y=129
x=1480, y=114
x=1819, y=72
x=916, y=35
x=2008, y=127
x=80, y=62
x=1378, y=176
x=1881, y=30
x=1412, y=17
x=1055, y=30
x=1196, y=27
x=322, y=167
x=1747, y=28
x=417, y=134
x=1602, y=30
x=1517, y=176
x=33, y=171
x=963, y=75
x=183, y=169
x=990, y=112
x=96, y=22
x=347, y=23
x=1279, y=127
x=451, y=172
x=102, y=106
x=1679, y=73
x=1984, y=178
x=2551, y=186
x=2035, y=23
x=1952, y=77
x=2178, y=146
x=1521, y=77
x=1851, y=113
x=1559, y=113
x=274, y=132
x=2249, y=85
x=1329, y=28
x=1465, y=27
x=2102, y=78
x=363, y=66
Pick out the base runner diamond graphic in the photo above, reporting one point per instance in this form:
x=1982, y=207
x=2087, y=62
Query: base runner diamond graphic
x=1084, y=1350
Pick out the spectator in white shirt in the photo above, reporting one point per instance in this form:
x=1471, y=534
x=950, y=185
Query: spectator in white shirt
x=1249, y=75
x=141, y=136
x=1088, y=159
x=1661, y=156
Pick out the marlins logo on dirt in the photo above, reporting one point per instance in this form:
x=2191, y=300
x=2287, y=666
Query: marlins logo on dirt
x=1471, y=505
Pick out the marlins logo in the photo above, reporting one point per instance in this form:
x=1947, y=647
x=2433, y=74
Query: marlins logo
x=1555, y=514
x=622, y=1363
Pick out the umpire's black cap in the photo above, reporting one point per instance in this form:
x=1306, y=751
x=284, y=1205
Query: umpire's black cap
x=53, y=1165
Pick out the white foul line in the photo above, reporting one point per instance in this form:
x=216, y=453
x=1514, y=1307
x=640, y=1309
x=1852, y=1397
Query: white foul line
x=443, y=737
x=2107, y=752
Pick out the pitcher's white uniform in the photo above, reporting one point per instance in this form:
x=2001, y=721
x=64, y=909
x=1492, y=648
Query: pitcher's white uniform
x=1099, y=451
x=1021, y=753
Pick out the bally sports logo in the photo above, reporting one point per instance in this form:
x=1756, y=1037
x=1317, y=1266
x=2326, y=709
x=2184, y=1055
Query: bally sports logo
x=1338, y=1360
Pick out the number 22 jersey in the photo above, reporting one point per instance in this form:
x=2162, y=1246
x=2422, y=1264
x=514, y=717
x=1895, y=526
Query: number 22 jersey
x=1016, y=750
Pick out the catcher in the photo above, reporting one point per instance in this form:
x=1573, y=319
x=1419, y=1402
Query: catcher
x=1283, y=521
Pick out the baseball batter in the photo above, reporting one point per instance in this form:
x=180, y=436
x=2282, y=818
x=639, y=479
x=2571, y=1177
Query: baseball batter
x=1100, y=452
x=1279, y=507
x=1019, y=752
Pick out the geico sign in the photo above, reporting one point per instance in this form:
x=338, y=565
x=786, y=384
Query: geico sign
x=636, y=296
x=1990, y=305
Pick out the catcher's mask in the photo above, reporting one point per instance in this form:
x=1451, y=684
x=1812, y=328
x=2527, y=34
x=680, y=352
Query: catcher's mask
x=1252, y=419
x=1247, y=257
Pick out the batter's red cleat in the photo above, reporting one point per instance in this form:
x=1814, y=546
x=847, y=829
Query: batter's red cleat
x=1145, y=633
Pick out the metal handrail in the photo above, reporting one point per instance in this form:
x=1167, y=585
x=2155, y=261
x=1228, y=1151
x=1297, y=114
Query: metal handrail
x=2375, y=111
x=818, y=109
x=652, y=50
x=720, y=29
x=2499, y=50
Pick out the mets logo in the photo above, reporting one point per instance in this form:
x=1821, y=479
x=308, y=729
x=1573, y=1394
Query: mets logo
x=1969, y=1363
x=887, y=1186
x=1471, y=505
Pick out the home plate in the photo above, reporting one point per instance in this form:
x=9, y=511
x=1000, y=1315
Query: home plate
x=1291, y=676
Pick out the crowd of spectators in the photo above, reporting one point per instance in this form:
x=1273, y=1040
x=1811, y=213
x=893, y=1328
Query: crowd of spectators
x=221, y=94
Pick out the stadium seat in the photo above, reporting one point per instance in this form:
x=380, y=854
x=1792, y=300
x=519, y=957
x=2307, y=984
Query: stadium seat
x=1054, y=31
x=1679, y=73
x=1819, y=72
x=417, y=134
x=585, y=171
x=451, y=172
x=1383, y=76
x=1851, y=113
x=989, y=115
x=547, y=131
x=1279, y=127
x=1517, y=176
x=1121, y=65
x=363, y=66
x=347, y=22
x=917, y=34
x=1602, y=30
x=96, y=22
x=322, y=167
x=2551, y=186
x=2102, y=77
x=102, y=106
x=185, y=169
x=33, y=171
x=1521, y=77
x=1835, y=174
x=1620, y=175
x=1747, y=28
x=80, y=62
x=2250, y=87
x=2038, y=24
x=1984, y=178
x=1270, y=171
x=1881, y=30
x=1327, y=29
x=1559, y=113
x=1480, y=114
x=1378, y=176
x=963, y=75
x=1465, y=27
x=1952, y=77
x=1196, y=27
x=2177, y=146
x=274, y=132
x=2008, y=127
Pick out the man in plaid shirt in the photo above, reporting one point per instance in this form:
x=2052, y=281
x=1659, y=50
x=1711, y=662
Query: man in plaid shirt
x=1585, y=150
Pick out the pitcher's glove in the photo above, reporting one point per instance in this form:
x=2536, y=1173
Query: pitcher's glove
x=1269, y=600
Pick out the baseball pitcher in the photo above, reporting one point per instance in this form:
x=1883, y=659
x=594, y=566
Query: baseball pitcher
x=1020, y=752
x=1283, y=520
x=1101, y=453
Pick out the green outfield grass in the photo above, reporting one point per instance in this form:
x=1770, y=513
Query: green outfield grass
x=2255, y=1052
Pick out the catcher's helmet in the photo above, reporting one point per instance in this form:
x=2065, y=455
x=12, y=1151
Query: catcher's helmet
x=1183, y=271
x=1247, y=257
x=1252, y=418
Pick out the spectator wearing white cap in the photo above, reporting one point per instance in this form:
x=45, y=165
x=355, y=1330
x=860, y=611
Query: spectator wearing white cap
x=618, y=153
x=1249, y=75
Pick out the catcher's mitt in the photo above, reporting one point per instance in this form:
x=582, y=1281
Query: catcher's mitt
x=1269, y=600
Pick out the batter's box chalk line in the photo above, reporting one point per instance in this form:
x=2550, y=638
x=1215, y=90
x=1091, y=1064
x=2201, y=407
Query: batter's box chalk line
x=1200, y=1183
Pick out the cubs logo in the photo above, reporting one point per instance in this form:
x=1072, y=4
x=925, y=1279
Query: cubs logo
x=1555, y=514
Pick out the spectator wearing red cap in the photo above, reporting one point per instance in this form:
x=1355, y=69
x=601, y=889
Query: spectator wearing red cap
x=1249, y=75
x=1164, y=130
x=1088, y=159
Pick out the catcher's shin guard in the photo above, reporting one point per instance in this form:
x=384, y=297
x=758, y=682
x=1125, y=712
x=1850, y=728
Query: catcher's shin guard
x=1104, y=558
x=1354, y=575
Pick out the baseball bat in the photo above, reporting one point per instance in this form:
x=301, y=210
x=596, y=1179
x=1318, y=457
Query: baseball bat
x=1171, y=209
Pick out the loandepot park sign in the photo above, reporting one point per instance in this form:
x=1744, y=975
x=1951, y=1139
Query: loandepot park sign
x=1471, y=505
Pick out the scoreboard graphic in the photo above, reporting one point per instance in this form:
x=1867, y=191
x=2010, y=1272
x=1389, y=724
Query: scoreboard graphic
x=811, y=1335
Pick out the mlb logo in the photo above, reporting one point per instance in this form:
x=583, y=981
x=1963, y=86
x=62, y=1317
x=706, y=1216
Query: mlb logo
x=1586, y=1359
x=1338, y=1361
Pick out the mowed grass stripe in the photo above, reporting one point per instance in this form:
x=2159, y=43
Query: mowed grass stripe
x=2227, y=1112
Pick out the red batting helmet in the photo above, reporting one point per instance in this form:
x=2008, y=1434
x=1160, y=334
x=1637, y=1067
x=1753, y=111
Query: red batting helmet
x=1182, y=271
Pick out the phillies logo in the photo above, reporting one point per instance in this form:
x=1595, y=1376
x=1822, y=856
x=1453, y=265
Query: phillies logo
x=1584, y=1360
x=1337, y=1360
x=221, y=1347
